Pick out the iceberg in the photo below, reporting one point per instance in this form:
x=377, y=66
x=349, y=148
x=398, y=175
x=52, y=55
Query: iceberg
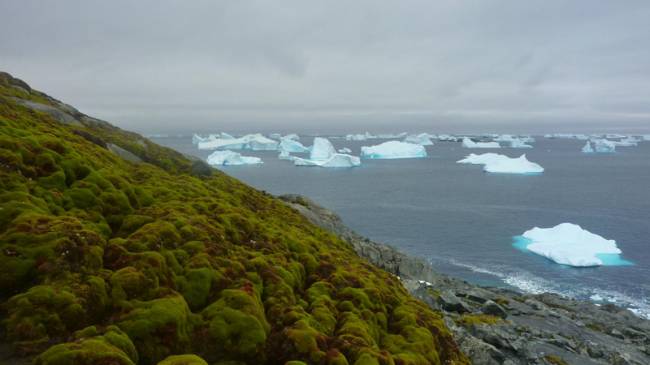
x=581, y=137
x=359, y=137
x=335, y=160
x=292, y=136
x=291, y=146
x=600, y=146
x=391, y=135
x=496, y=163
x=196, y=139
x=323, y=154
x=229, y=158
x=510, y=138
x=284, y=155
x=447, y=138
x=570, y=244
x=393, y=149
x=626, y=142
x=322, y=149
x=423, y=139
x=254, y=142
x=468, y=143
x=518, y=143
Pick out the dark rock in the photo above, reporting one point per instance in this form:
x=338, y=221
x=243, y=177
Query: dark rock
x=492, y=308
x=450, y=302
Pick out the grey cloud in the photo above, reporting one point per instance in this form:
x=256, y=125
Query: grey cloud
x=336, y=65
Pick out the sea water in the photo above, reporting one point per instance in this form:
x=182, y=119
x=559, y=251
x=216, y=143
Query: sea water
x=465, y=220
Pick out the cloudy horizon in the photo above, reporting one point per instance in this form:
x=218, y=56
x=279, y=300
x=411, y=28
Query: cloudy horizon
x=174, y=66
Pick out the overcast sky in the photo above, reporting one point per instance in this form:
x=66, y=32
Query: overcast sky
x=324, y=66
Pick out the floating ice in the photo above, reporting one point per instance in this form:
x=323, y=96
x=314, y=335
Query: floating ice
x=423, y=139
x=291, y=146
x=323, y=154
x=519, y=143
x=196, y=139
x=255, y=142
x=468, y=143
x=569, y=244
x=322, y=149
x=218, y=158
x=391, y=135
x=345, y=150
x=284, y=155
x=335, y=160
x=626, y=142
x=496, y=163
x=359, y=137
x=393, y=149
x=292, y=136
x=448, y=138
x=600, y=146
x=581, y=137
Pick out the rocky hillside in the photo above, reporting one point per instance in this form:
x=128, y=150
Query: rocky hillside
x=114, y=250
x=498, y=326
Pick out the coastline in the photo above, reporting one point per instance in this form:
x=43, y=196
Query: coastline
x=503, y=326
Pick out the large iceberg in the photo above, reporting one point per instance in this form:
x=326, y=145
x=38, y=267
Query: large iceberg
x=569, y=244
x=323, y=154
x=393, y=149
x=468, y=143
x=423, y=139
x=496, y=163
x=229, y=158
x=255, y=142
x=322, y=149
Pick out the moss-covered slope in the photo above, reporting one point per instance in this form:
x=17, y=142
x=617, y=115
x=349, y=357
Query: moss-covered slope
x=104, y=260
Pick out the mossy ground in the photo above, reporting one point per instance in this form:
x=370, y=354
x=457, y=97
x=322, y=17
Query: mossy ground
x=108, y=261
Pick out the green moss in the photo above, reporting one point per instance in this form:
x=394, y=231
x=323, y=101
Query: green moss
x=129, y=283
x=468, y=320
x=197, y=286
x=237, y=325
x=158, y=327
x=42, y=313
x=114, y=347
x=183, y=360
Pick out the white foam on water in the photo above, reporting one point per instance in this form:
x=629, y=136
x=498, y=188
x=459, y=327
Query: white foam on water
x=532, y=284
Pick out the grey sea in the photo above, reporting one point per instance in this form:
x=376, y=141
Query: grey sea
x=463, y=220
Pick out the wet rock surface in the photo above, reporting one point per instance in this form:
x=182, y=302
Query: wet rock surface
x=500, y=326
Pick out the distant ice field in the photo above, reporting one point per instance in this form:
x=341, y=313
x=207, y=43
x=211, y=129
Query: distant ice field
x=464, y=220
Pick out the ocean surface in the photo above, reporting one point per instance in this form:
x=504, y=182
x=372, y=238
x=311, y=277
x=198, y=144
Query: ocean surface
x=464, y=220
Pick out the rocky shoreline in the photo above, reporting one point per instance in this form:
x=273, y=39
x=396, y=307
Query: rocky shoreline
x=500, y=326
